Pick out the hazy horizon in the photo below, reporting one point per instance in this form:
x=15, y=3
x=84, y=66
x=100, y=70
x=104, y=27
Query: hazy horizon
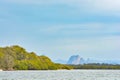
x=59, y=29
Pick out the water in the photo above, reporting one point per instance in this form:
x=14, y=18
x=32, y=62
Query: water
x=61, y=75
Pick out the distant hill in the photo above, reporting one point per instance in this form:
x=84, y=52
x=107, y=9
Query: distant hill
x=17, y=58
x=75, y=59
x=79, y=63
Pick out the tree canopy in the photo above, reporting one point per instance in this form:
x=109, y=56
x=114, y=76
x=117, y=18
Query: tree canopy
x=17, y=58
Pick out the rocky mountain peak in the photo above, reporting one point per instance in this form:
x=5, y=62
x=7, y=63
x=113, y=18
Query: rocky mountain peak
x=75, y=59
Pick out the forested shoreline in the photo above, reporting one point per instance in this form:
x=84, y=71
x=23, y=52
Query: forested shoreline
x=96, y=66
x=17, y=58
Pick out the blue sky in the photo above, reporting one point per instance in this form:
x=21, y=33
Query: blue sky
x=59, y=29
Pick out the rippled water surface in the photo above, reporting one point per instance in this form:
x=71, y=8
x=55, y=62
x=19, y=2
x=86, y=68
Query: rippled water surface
x=61, y=75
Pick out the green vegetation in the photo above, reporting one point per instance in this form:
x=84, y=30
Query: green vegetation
x=17, y=58
x=96, y=66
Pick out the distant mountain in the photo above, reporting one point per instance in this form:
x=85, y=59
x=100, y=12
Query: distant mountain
x=75, y=59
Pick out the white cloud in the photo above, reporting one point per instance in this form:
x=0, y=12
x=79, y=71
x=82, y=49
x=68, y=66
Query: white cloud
x=106, y=36
x=105, y=7
x=85, y=30
x=104, y=4
x=108, y=5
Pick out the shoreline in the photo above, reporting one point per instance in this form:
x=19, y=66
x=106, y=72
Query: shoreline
x=62, y=70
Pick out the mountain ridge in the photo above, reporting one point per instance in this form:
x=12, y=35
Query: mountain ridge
x=76, y=60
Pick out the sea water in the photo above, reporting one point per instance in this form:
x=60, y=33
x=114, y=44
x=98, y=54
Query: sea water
x=61, y=75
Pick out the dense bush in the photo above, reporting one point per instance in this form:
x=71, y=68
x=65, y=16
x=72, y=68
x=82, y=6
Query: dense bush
x=17, y=58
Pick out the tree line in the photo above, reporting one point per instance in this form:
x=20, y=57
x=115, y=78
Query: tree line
x=96, y=66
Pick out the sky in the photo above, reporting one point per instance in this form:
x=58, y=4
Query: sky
x=61, y=28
